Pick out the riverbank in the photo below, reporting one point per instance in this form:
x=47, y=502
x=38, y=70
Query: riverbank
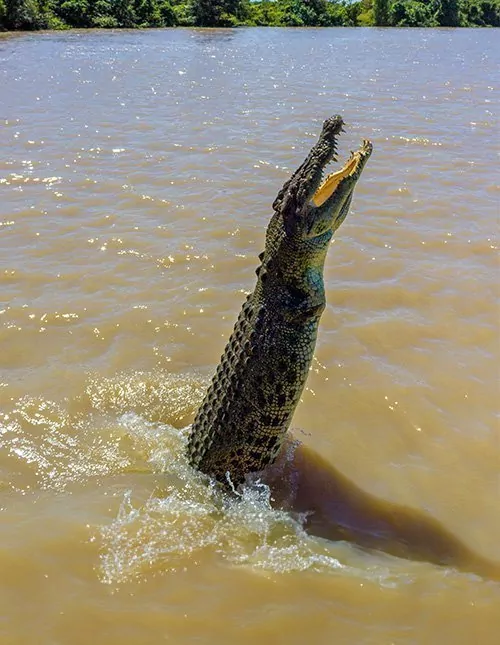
x=130, y=14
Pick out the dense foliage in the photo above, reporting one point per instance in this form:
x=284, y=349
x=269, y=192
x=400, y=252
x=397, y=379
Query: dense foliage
x=62, y=14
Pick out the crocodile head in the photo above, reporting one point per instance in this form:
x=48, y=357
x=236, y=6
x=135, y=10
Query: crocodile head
x=312, y=204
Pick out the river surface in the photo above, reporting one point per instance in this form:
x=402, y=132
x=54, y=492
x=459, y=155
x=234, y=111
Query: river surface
x=137, y=175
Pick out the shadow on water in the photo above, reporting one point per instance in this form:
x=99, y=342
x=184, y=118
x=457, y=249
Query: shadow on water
x=337, y=509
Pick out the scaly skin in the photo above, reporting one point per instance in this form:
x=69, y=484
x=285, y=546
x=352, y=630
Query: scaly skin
x=249, y=405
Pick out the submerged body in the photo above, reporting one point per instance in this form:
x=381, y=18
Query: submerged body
x=249, y=405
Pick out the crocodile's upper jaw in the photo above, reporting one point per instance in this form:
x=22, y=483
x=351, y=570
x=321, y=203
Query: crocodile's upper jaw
x=311, y=204
x=352, y=168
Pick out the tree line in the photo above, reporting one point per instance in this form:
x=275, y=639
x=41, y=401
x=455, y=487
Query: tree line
x=65, y=14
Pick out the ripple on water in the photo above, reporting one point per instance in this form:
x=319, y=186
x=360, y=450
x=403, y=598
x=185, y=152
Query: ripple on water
x=176, y=527
x=57, y=447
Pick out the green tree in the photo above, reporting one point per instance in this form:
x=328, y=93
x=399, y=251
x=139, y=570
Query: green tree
x=365, y=16
x=410, y=13
x=60, y=14
x=147, y=13
x=3, y=14
x=339, y=13
x=25, y=14
x=480, y=13
x=305, y=13
x=120, y=11
x=381, y=13
x=183, y=14
x=266, y=13
x=490, y=12
x=218, y=13
x=353, y=11
x=167, y=13
x=74, y=12
x=447, y=14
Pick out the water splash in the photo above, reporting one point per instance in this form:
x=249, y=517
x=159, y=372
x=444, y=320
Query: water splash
x=50, y=449
x=113, y=430
x=191, y=515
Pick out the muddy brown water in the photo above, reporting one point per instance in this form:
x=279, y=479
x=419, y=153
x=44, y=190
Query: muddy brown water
x=136, y=179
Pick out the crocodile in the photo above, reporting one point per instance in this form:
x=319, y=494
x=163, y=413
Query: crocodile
x=247, y=410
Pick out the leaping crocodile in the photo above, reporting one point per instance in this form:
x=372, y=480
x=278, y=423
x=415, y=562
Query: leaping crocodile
x=242, y=421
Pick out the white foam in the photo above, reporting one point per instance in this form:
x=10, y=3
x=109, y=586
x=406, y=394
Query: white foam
x=190, y=516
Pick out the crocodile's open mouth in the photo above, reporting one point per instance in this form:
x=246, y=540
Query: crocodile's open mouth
x=352, y=167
